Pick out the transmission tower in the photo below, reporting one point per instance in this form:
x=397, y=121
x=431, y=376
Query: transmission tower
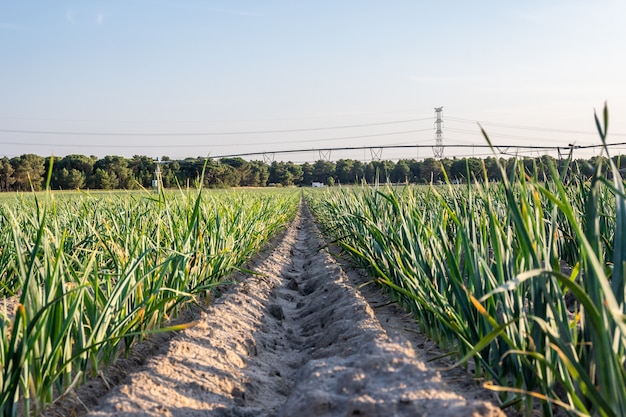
x=438, y=148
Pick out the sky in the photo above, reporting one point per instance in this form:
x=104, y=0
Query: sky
x=188, y=78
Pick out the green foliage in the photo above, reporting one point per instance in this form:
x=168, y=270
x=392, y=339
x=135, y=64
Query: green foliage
x=525, y=277
x=95, y=273
x=114, y=172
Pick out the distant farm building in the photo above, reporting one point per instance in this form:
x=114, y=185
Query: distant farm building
x=317, y=184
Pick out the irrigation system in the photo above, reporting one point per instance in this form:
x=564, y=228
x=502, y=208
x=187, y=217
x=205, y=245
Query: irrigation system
x=376, y=151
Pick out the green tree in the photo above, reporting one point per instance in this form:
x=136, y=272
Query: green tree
x=105, y=180
x=322, y=170
x=70, y=180
x=475, y=167
x=371, y=172
x=465, y=169
x=431, y=170
x=28, y=171
x=81, y=163
x=401, y=172
x=218, y=175
x=457, y=170
x=307, y=173
x=378, y=171
x=492, y=168
x=416, y=171
x=6, y=174
x=358, y=171
x=170, y=172
x=257, y=175
x=142, y=170
x=76, y=179
x=296, y=172
x=117, y=167
x=343, y=171
x=284, y=173
x=190, y=170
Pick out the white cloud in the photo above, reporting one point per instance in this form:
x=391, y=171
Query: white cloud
x=99, y=18
x=69, y=15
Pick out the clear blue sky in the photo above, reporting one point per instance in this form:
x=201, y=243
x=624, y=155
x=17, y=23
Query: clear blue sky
x=171, y=67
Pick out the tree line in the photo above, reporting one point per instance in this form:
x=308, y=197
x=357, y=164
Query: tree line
x=71, y=172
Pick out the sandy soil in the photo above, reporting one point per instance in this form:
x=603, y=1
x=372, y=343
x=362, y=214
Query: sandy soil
x=297, y=340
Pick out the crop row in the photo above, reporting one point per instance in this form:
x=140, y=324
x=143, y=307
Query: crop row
x=524, y=277
x=92, y=274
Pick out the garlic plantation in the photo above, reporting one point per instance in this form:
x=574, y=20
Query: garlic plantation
x=91, y=274
x=523, y=279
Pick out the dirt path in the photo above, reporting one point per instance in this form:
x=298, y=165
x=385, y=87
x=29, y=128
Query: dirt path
x=299, y=340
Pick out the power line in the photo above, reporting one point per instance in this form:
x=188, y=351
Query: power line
x=168, y=146
x=502, y=135
x=313, y=129
x=225, y=133
x=160, y=121
x=215, y=133
x=339, y=138
x=522, y=127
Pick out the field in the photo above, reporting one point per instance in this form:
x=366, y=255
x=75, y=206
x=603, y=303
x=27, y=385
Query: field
x=92, y=282
x=521, y=283
x=86, y=276
x=524, y=278
x=297, y=339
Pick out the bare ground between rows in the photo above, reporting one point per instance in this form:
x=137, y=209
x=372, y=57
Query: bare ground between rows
x=296, y=340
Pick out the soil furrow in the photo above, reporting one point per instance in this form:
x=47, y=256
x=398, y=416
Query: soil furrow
x=296, y=340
